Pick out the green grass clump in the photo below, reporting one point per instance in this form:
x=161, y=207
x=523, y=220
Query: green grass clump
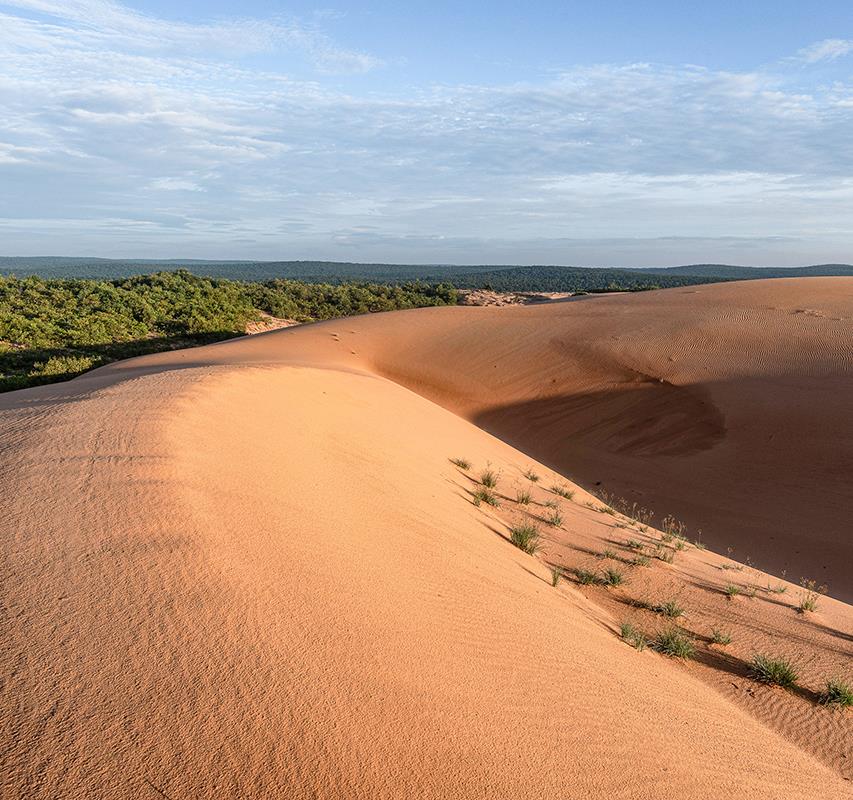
x=489, y=478
x=608, y=554
x=587, y=577
x=554, y=519
x=562, y=491
x=809, y=594
x=526, y=537
x=556, y=576
x=640, y=561
x=664, y=554
x=633, y=544
x=836, y=693
x=773, y=671
x=632, y=636
x=669, y=608
x=531, y=476
x=487, y=497
x=731, y=591
x=720, y=637
x=673, y=642
x=462, y=463
x=523, y=497
x=612, y=577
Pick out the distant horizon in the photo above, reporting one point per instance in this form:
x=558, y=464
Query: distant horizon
x=177, y=261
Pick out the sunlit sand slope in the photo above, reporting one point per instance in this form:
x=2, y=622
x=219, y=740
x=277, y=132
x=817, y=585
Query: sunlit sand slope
x=249, y=570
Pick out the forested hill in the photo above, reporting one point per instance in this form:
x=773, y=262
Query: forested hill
x=499, y=277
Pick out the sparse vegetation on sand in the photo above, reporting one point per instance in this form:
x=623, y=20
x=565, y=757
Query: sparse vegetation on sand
x=485, y=496
x=489, y=478
x=531, y=476
x=669, y=608
x=720, y=637
x=554, y=519
x=773, y=671
x=462, y=463
x=675, y=643
x=556, y=576
x=809, y=594
x=632, y=636
x=587, y=577
x=836, y=693
x=612, y=576
x=526, y=537
x=562, y=491
x=522, y=497
x=731, y=591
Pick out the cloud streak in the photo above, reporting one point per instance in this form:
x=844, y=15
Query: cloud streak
x=124, y=134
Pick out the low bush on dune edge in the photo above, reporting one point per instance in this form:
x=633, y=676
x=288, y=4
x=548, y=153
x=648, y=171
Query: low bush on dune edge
x=55, y=329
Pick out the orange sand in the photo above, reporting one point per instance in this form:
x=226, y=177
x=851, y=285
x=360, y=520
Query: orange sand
x=249, y=570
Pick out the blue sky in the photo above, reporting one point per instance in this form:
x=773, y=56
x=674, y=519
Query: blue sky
x=598, y=133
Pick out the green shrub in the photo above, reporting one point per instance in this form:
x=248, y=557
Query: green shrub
x=531, y=476
x=669, y=608
x=489, y=478
x=836, y=693
x=587, y=577
x=526, y=537
x=809, y=594
x=612, y=577
x=562, y=491
x=731, y=591
x=632, y=636
x=720, y=637
x=775, y=671
x=673, y=642
x=462, y=463
x=487, y=497
x=554, y=519
x=523, y=498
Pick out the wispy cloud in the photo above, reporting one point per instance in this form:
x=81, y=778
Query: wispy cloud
x=126, y=134
x=827, y=50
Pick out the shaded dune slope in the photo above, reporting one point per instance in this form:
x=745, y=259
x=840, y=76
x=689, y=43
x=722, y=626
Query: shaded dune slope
x=248, y=570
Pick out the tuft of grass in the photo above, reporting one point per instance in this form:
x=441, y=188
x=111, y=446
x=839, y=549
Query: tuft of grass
x=526, y=537
x=664, y=554
x=487, y=497
x=608, y=554
x=587, y=577
x=489, y=478
x=809, y=594
x=607, y=510
x=670, y=609
x=633, y=544
x=773, y=671
x=556, y=576
x=531, y=476
x=731, y=591
x=699, y=544
x=462, y=463
x=640, y=561
x=779, y=588
x=672, y=642
x=720, y=637
x=554, y=519
x=836, y=693
x=632, y=636
x=550, y=504
x=562, y=491
x=523, y=497
x=612, y=577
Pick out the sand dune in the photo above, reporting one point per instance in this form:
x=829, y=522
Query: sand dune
x=250, y=570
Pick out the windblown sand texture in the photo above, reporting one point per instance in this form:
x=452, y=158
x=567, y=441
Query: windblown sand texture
x=250, y=570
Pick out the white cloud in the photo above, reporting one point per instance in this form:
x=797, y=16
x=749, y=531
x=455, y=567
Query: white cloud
x=827, y=50
x=162, y=141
